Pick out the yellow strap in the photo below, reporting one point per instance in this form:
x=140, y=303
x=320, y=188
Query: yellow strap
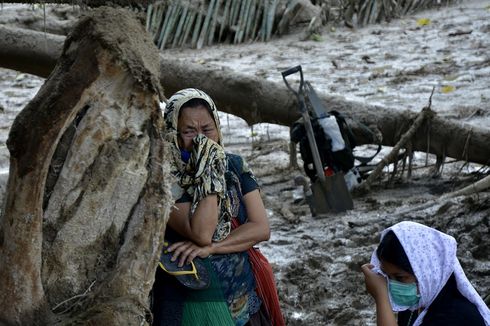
x=192, y=272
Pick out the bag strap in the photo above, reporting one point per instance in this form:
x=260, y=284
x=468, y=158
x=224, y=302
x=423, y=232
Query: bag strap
x=352, y=139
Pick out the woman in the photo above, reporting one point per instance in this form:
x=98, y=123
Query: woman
x=415, y=271
x=218, y=216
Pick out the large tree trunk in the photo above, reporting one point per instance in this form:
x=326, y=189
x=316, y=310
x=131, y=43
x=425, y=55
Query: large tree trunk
x=29, y=51
x=87, y=196
x=258, y=100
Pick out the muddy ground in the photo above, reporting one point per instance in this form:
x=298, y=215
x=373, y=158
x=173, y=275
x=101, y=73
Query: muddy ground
x=317, y=261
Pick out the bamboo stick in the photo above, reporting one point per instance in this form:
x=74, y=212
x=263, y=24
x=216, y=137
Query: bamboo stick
x=150, y=18
x=270, y=19
x=362, y=12
x=224, y=20
x=156, y=19
x=232, y=20
x=188, y=27
x=157, y=22
x=169, y=29
x=387, y=12
x=240, y=19
x=213, y=22
x=204, y=30
x=197, y=29
x=257, y=22
x=168, y=12
x=149, y=12
x=397, y=6
x=243, y=25
x=246, y=21
x=365, y=13
x=373, y=15
x=188, y=18
x=263, y=31
x=251, y=21
x=235, y=8
x=180, y=25
x=411, y=6
x=369, y=11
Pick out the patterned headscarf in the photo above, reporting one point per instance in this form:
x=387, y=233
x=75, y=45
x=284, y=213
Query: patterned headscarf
x=432, y=255
x=204, y=174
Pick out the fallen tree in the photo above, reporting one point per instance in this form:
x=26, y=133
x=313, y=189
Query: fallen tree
x=87, y=196
x=257, y=100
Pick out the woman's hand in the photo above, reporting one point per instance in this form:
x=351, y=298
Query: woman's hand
x=186, y=251
x=377, y=287
x=375, y=283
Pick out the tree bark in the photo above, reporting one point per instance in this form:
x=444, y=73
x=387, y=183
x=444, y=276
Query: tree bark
x=257, y=100
x=87, y=195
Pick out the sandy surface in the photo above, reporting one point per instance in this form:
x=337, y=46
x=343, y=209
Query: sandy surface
x=392, y=64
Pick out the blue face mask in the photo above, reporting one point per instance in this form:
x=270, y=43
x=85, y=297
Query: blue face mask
x=185, y=155
x=403, y=294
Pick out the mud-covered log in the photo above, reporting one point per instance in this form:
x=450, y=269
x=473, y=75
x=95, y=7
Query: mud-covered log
x=258, y=100
x=29, y=51
x=87, y=196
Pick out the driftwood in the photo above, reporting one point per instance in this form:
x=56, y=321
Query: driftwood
x=257, y=100
x=391, y=157
x=405, y=141
x=473, y=188
x=87, y=195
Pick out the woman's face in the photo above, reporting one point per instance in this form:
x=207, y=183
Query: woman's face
x=194, y=121
x=396, y=273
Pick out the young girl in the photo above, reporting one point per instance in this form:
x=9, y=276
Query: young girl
x=415, y=271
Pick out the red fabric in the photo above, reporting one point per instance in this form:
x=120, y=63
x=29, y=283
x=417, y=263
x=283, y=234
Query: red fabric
x=265, y=283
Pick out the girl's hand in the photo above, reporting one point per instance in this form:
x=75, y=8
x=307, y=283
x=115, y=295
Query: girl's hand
x=375, y=283
x=377, y=287
x=186, y=251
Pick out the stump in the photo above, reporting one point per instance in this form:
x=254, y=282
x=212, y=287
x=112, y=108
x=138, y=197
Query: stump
x=87, y=196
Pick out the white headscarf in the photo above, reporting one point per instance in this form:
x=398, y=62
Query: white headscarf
x=432, y=255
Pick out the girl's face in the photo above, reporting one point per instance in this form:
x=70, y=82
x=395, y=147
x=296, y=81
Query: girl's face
x=396, y=273
x=194, y=121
